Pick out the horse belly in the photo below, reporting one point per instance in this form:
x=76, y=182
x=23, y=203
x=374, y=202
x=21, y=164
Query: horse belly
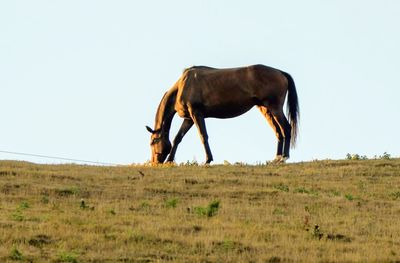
x=224, y=111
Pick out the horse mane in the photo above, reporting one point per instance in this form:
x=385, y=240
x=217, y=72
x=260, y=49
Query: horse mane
x=165, y=112
x=196, y=67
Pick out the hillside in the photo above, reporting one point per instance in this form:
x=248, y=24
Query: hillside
x=316, y=211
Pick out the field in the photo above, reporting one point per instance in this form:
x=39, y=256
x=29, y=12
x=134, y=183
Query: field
x=320, y=211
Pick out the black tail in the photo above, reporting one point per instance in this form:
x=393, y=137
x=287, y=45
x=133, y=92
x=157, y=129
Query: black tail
x=293, y=111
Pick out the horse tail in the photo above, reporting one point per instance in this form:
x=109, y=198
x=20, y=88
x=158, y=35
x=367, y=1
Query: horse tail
x=293, y=111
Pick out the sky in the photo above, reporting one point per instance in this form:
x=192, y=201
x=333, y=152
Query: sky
x=81, y=79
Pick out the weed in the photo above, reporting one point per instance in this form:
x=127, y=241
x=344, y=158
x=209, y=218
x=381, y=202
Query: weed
x=317, y=232
x=274, y=260
x=40, y=240
x=282, y=187
x=68, y=257
x=338, y=237
x=227, y=162
x=199, y=210
x=171, y=203
x=68, y=191
x=335, y=192
x=144, y=205
x=385, y=156
x=228, y=245
x=196, y=228
x=6, y=173
x=395, y=195
x=190, y=163
x=303, y=190
x=278, y=211
x=16, y=255
x=356, y=157
x=209, y=211
x=137, y=237
x=349, y=197
x=83, y=204
x=18, y=216
x=112, y=212
x=45, y=199
x=23, y=205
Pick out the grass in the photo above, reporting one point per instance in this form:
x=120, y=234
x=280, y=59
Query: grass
x=329, y=211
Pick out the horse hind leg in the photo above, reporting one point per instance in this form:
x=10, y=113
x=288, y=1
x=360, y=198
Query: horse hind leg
x=286, y=130
x=278, y=132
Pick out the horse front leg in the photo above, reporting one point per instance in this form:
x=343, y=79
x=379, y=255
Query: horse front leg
x=198, y=119
x=185, y=127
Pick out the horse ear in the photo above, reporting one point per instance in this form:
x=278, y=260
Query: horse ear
x=149, y=129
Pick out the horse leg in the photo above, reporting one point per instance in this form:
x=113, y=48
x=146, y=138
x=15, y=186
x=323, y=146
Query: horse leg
x=198, y=119
x=185, y=127
x=275, y=126
x=286, y=130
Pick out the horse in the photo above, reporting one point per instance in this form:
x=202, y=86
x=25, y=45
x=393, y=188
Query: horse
x=204, y=92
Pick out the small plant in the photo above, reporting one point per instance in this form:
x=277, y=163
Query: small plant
x=209, y=211
x=112, y=212
x=45, y=199
x=356, y=157
x=228, y=245
x=23, y=205
x=303, y=190
x=317, y=232
x=40, y=240
x=83, y=204
x=395, y=195
x=68, y=191
x=335, y=192
x=16, y=254
x=282, y=187
x=278, y=211
x=190, y=163
x=144, y=204
x=227, y=162
x=385, y=156
x=68, y=257
x=171, y=203
x=18, y=216
x=349, y=197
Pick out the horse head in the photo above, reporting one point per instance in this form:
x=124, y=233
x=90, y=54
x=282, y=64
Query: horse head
x=160, y=146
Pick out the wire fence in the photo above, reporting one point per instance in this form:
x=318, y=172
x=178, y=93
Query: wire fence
x=59, y=158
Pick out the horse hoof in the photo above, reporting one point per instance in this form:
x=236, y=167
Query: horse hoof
x=279, y=159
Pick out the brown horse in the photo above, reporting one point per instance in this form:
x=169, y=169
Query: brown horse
x=204, y=92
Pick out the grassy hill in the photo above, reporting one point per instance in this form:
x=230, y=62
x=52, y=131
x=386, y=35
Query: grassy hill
x=330, y=211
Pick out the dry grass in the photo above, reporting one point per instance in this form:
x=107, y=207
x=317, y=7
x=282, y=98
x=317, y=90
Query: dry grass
x=71, y=213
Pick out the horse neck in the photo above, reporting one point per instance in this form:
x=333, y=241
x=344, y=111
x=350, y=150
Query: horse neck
x=165, y=113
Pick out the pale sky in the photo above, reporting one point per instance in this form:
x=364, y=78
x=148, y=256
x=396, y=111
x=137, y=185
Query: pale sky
x=81, y=79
